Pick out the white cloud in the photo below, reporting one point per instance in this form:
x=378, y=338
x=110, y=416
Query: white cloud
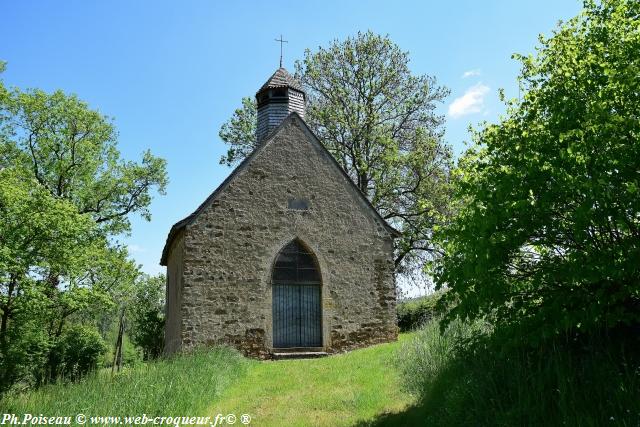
x=471, y=102
x=471, y=73
x=136, y=248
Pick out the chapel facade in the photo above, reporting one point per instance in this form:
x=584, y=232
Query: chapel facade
x=286, y=254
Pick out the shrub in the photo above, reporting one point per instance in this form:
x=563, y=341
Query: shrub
x=414, y=313
x=76, y=352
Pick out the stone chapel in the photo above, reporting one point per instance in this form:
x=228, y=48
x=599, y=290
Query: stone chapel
x=286, y=255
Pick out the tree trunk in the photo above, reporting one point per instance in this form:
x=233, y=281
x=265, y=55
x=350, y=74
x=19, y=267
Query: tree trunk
x=117, y=354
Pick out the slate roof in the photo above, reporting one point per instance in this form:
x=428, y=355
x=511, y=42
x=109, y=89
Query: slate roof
x=180, y=225
x=282, y=78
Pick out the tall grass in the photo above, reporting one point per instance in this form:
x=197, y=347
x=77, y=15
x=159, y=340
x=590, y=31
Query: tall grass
x=590, y=381
x=184, y=385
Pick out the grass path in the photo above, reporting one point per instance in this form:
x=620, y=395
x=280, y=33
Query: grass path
x=346, y=389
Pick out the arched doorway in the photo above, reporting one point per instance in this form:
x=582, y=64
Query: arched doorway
x=296, y=302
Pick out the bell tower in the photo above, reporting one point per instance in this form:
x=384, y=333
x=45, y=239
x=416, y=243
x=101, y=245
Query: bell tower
x=280, y=96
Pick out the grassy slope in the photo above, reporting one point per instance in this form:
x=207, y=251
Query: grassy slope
x=340, y=390
x=346, y=389
x=365, y=387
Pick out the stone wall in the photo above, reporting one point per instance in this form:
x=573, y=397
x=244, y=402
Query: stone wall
x=231, y=245
x=173, y=328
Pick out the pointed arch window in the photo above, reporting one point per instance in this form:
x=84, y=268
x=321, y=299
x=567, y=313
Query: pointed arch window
x=295, y=264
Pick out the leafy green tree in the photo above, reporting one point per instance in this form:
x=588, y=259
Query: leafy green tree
x=240, y=132
x=378, y=120
x=66, y=196
x=146, y=315
x=71, y=150
x=38, y=234
x=547, y=230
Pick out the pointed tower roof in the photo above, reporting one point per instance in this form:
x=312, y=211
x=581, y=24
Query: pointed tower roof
x=282, y=78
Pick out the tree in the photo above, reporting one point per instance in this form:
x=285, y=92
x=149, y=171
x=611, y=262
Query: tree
x=38, y=234
x=66, y=196
x=71, y=151
x=378, y=120
x=146, y=314
x=547, y=230
x=240, y=132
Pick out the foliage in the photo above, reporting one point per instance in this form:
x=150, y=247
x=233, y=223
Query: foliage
x=26, y=348
x=184, y=385
x=240, y=132
x=76, y=352
x=39, y=233
x=378, y=120
x=146, y=315
x=131, y=354
x=547, y=230
x=38, y=230
x=413, y=313
x=65, y=196
x=592, y=380
x=71, y=151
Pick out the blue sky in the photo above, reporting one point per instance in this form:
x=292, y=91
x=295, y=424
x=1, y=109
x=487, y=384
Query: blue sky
x=170, y=73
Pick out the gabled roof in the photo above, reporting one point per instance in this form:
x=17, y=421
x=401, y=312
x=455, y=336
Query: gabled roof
x=281, y=78
x=180, y=225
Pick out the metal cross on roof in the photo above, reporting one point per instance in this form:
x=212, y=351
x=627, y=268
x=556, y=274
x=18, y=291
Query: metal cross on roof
x=281, y=42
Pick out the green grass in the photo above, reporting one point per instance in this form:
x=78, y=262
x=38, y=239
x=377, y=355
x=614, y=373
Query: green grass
x=424, y=379
x=346, y=389
x=341, y=390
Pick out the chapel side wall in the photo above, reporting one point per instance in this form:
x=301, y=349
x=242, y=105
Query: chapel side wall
x=173, y=307
x=230, y=248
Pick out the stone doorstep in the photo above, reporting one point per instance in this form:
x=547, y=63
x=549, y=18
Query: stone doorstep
x=298, y=353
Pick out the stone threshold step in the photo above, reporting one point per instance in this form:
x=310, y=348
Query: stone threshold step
x=297, y=350
x=298, y=354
